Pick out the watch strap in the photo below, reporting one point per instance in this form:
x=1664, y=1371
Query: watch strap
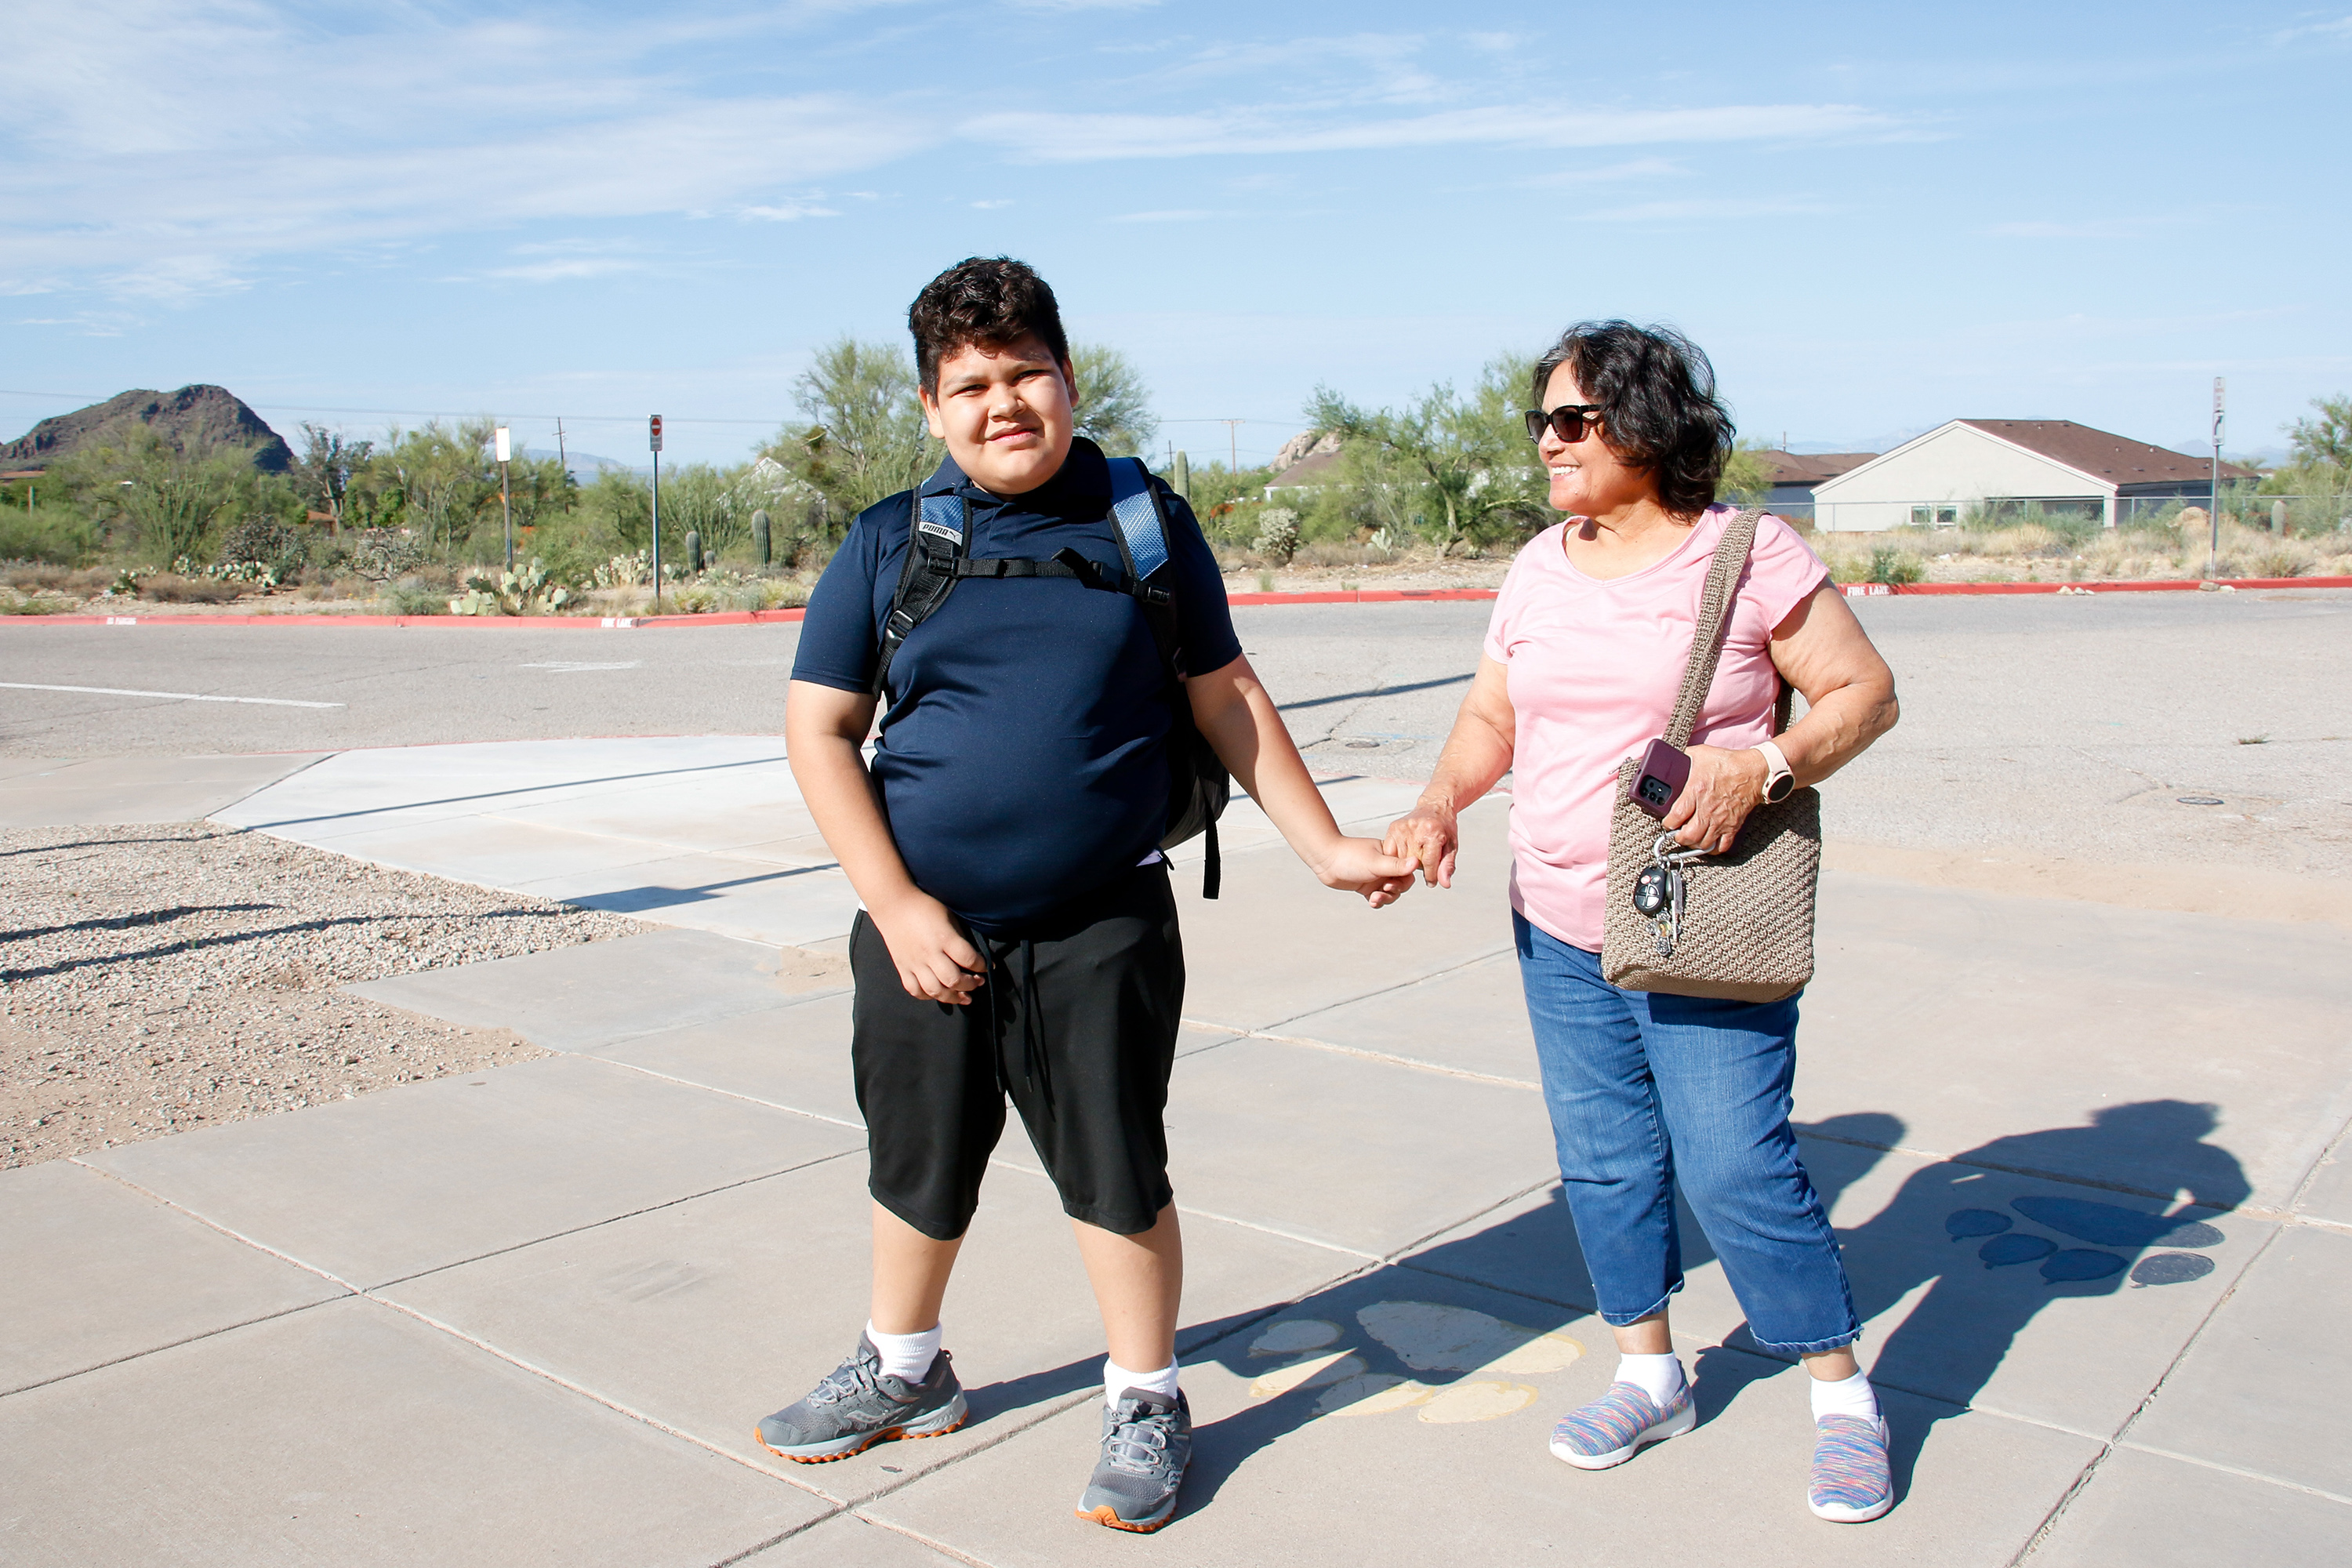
x=1779, y=779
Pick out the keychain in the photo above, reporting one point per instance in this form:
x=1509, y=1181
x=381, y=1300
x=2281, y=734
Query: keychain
x=1658, y=890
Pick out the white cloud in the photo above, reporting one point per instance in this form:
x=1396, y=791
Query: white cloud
x=1078, y=137
x=789, y=212
x=2336, y=32
x=1704, y=209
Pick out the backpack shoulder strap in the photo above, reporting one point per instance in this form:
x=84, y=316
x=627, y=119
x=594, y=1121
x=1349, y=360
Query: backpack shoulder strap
x=938, y=533
x=1136, y=509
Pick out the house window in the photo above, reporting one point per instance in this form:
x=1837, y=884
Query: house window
x=1945, y=515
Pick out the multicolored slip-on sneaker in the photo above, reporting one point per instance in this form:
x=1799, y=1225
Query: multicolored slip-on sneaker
x=1609, y=1430
x=1851, y=1483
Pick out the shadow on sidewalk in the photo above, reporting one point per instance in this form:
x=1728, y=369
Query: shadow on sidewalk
x=1409, y=1333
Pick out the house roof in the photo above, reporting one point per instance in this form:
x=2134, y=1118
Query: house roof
x=1316, y=469
x=2118, y=459
x=1811, y=468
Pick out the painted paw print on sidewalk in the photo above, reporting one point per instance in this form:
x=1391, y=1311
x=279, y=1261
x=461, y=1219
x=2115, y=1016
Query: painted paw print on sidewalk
x=1426, y=1336
x=2087, y=1221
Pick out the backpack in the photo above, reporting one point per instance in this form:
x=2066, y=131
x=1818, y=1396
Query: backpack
x=1198, y=785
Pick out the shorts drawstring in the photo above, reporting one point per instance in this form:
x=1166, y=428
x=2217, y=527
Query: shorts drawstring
x=1034, y=1072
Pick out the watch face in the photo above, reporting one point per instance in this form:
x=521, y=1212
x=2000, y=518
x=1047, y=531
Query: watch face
x=1777, y=790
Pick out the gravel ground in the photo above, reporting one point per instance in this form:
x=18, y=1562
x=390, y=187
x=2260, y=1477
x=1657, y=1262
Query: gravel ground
x=157, y=979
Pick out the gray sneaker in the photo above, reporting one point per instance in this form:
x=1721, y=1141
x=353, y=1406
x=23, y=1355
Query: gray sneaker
x=1146, y=1443
x=860, y=1405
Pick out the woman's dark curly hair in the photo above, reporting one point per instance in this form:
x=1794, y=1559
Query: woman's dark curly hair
x=1658, y=407
x=992, y=302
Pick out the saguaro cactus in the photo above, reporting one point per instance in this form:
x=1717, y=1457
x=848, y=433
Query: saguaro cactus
x=693, y=549
x=760, y=536
x=1180, y=478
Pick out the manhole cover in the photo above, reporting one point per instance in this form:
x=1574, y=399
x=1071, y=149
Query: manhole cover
x=1375, y=745
x=2201, y=799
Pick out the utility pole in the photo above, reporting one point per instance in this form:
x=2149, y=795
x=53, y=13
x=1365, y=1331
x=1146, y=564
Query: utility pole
x=563, y=459
x=505, y=490
x=1232, y=448
x=655, y=437
x=2213, y=559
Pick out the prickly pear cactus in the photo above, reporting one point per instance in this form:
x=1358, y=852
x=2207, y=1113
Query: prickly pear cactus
x=529, y=592
x=760, y=537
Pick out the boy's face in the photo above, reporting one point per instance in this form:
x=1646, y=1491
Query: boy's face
x=1004, y=413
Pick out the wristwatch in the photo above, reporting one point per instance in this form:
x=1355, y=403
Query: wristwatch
x=1779, y=782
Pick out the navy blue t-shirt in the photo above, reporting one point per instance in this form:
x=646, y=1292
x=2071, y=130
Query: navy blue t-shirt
x=1022, y=760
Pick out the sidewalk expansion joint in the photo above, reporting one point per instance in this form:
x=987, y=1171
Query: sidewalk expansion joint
x=941, y=1547
x=730, y=1093
x=175, y=1344
x=600, y=1224
x=2240, y=1471
x=759, y=1546
x=615, y=1406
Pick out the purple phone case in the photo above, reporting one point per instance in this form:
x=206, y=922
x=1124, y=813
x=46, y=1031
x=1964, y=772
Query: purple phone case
x=1666, y=764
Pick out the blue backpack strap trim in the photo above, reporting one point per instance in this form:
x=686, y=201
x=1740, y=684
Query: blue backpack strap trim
x=1138, y=515
x=943, y=516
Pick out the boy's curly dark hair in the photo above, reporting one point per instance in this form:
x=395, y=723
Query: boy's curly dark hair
x=1658, y=407
x=989, y=302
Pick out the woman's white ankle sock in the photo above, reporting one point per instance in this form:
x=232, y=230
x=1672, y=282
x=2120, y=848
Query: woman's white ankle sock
x=1846, y=1396
x=1659, y=1376
x=905, y=1357
x=1118, y=1379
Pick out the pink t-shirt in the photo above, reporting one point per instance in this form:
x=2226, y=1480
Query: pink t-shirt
x=1593, y=669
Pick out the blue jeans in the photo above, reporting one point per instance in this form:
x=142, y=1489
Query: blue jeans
x=1647, y=1090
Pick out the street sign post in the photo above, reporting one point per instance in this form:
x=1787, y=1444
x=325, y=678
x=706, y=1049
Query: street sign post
x=2213, y=556
x=654, y=436
x=506, y=491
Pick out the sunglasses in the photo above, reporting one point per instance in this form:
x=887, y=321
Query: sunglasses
x=1569, y=421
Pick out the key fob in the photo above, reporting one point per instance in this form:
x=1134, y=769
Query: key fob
x=1652, y=892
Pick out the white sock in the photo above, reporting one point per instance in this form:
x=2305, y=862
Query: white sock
x=1118, y=1379
x=905, y=1357
x=1659, y=1376
x=1846, y=1396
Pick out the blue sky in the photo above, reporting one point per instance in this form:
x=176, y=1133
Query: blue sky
x=1873, y=217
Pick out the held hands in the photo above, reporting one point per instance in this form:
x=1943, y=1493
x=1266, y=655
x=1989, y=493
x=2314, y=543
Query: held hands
x=1429, y=839
x=1362, y=866
x=1723, y=787
x=935, y=960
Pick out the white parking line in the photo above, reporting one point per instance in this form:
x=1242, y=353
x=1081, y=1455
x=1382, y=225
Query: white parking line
x=173, y=696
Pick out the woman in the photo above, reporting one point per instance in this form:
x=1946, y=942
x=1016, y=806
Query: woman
x=1582, y=658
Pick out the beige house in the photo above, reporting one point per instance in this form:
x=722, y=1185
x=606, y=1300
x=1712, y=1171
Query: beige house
x=2056, y=464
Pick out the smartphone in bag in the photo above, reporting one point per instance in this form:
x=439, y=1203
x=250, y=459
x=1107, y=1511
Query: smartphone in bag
x=1659, y=778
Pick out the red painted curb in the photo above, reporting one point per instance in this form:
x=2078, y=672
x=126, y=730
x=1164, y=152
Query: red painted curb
x=2156, y=585
x=1361, y=597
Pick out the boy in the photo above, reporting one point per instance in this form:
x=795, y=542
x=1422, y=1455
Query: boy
x=1020, y=933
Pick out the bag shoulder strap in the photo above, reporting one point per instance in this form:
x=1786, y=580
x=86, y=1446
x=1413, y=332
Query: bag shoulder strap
x=1713, y=619
x=939, y=531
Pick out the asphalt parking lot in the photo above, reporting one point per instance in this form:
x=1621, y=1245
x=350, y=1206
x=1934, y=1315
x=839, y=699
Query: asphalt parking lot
x=2039, y=726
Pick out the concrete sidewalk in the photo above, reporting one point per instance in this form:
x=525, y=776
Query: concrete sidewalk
x=2086, y=1162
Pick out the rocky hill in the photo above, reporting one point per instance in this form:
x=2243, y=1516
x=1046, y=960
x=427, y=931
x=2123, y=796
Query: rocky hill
x=193, y=419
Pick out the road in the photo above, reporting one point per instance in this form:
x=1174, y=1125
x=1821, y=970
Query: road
x=2059, y=730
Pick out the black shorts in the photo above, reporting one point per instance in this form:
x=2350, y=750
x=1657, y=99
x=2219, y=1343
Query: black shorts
x=1076, y=1023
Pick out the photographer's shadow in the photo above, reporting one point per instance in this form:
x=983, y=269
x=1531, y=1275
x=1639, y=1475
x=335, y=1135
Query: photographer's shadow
x=1997, y=1231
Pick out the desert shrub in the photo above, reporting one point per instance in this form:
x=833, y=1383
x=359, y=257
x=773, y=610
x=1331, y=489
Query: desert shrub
x=415, y=596
x=1891, y=565
x=1277, y=534
x=171, y=588
x=380, y=554
x=267, y=541
x=59, y=535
